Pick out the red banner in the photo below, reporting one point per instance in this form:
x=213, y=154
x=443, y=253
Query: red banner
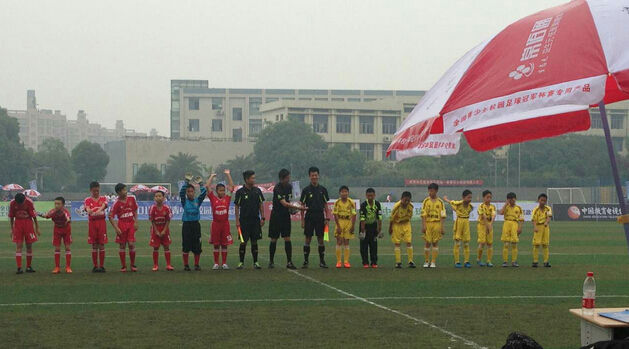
x=443, y=182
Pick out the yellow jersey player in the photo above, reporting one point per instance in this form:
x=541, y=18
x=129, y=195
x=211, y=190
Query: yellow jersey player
x=400, y=229
x=433, y=214
x=461, y=229
x=485, y=228
x=344, y=212
x=541, y=232
x=511, y=230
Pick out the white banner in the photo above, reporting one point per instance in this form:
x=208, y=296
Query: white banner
x=434, y=145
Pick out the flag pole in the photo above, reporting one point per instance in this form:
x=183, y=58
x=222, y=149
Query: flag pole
x=612, y=159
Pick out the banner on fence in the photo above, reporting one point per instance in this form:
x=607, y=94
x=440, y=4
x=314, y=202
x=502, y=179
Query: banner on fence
x=586, y=212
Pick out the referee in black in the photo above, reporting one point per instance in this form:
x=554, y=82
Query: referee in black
x=315, y=197
x=280, y=223
x=249, y=217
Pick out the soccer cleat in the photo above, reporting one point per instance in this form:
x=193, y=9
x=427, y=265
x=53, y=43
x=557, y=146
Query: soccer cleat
x=467, y=265
x=256, y=265
x=515, y=265
x=546, y=265
x=366, y=266
x=155, y=268
x=30, y=270
x=290, y=265
x=322, y=265
x=216, y=267
x=225, y=266
x=305, y=265
x=56, y=270
x=480, y=264
x=398, y=265
x=490, y=265
x=426, y=265
x=458, y=265
x=186, y=268
x=534, y=265
x=433, y=265
x=240, y=266
x=95, y=270
x=374, y=266
x=347, y=265
x=412, y=265
x=101, y=270
x=271, y=265
x=339, y=265
x=134, y=268
x=123, y=269
x=68, y=270
x=170, y=268
x=19, y=271
x=505, y=264
x=197, y=268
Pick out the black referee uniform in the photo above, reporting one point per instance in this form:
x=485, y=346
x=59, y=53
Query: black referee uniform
x=316, y=199
x=248, y=202
x=280, y=223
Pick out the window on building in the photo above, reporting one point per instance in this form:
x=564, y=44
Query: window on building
x=237, y=135
x=135, y=169
x=162, y=169
x=617, y=142
x=321, y=99
x=343, y=124
x=271, y=99
x=320, y=123
x=367, y=150
x=338, y=99
x=193, y=103
x=217, y=103
x=174, y=106
x=595, y=119
x=255, y=126
x=298, y=117
x=193, y=125
x=617, y=120
x=254, y=105
x=353, y=99
x=370, y=99
x=389, y=125
x=237, y=114
x=408, y=108
x=384, y=153
x=217, y=125
x=366, y=124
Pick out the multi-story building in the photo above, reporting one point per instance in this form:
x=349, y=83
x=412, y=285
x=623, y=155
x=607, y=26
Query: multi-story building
x=618, y=118
x=175, y=102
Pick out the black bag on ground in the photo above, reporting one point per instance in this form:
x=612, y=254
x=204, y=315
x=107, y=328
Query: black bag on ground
x=521, y=341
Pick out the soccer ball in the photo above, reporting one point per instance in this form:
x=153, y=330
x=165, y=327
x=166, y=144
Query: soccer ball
x=294, y=207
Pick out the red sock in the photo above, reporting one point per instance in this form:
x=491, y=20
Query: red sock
x=155, y=257
x=57, y=258
x=101, y=257
x=123, y=259
x=216, y=253
x=185, y=259
x=18, y=259
x=224, y=254
x=196, y=259
x=132, y=256
x=167, y=255
x=95, y=257
x=29, y=259
x=68, y=258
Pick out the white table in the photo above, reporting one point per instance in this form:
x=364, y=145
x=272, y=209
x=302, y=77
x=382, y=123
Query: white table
x=596, y=328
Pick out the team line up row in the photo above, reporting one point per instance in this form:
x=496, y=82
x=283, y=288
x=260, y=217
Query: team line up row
x=315, y=217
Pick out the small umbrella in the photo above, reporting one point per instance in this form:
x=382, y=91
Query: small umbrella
x=12, y=187
x=159, y=188
x=32, y=193
x=139, y=188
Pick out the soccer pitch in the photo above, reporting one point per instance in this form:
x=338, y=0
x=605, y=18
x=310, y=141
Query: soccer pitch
x=421, y=308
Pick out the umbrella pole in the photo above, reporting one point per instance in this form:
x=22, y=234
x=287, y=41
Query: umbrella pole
x=612, y=158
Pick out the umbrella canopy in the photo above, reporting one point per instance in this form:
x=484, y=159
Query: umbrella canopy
x=139, y=188
x=159, y=188
x=32, y=193
x=12, y=187
x=535, y=79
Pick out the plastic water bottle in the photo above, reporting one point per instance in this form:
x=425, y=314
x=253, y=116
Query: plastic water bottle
x=589, y=294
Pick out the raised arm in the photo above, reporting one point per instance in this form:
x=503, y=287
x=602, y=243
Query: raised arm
x=230, y=181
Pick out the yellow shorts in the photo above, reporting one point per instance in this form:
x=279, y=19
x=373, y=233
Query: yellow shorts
x=402, y=233
x=344, y=229
x=510, y=232
x=462, y=229
x=433, y=232
x=542, y=235
x=485, y=235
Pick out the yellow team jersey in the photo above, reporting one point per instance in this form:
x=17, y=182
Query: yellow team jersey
x=541, y=214
x=344, y=210
x=488, y=211
x=433, y=211
x=402, y=214
x=461, y=210
x=513, y=213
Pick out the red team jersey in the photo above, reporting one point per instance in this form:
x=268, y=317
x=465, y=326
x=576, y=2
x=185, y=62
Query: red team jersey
x=125, y=211
x=159, y=217
x=26, y=210
x=59, y=218
x=95, y=204
x=220, y=207
x=23, y=224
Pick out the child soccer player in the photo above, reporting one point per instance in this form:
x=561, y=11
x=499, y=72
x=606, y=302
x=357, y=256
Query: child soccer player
x=220, y=236
x=541, y=232
x=433, y=213
x=126, y=209
x=370, y=228
x=22, y=216
x=511, y=230
x=400, y=229
x=485, y=228
x=249, y=217
x=160, y=215
x=461, y=229
x=191, y=228
x=95, y=206
x=62, y=231
x=344, y=212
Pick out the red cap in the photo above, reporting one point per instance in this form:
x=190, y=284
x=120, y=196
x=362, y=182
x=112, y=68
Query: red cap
x=590, y=273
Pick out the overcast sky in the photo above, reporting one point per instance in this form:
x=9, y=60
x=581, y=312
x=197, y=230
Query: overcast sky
x=115, y=59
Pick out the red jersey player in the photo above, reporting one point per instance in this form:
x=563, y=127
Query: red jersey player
x=220, y=235
x=62, y=231
x=159, y=215
x=22, y=215
x=126, y=209
x=95, y=206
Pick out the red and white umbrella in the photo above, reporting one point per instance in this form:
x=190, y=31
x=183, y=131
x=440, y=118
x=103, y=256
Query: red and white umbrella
x=159, y=188
x=12, y=187
x=32, y=193
x=139, y=188
x=535, y=79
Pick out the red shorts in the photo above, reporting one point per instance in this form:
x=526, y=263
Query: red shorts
x=128, y=232
x=23, y=231
x=220, y=234
x=62, y=233
x=157, y=241
x=97, y=232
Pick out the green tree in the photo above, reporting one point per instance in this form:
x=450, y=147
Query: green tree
x=240, y=164
x=15, y=160
x=148, y=173
x=54, y=160
x=180, y=164
x=89, y=162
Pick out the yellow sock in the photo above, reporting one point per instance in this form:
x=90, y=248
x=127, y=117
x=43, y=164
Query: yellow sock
x=546, y=252
x=338, y=254
x=409, y=253
x=480, y=253
x=466, y=252
x=505, y=252
x=514, y=252
x=398, y=255
x=347, y=254
x=490, y=253
x=457, y=252
x=535, y=254
x=426, y=255
x=435, y=253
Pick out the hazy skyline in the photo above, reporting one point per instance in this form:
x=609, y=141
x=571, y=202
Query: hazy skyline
x=115, y=59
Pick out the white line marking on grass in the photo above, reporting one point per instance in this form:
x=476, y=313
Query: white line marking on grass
x=453, y=336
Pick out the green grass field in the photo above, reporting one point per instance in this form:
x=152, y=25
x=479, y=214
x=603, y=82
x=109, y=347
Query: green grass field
x=437, y=308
